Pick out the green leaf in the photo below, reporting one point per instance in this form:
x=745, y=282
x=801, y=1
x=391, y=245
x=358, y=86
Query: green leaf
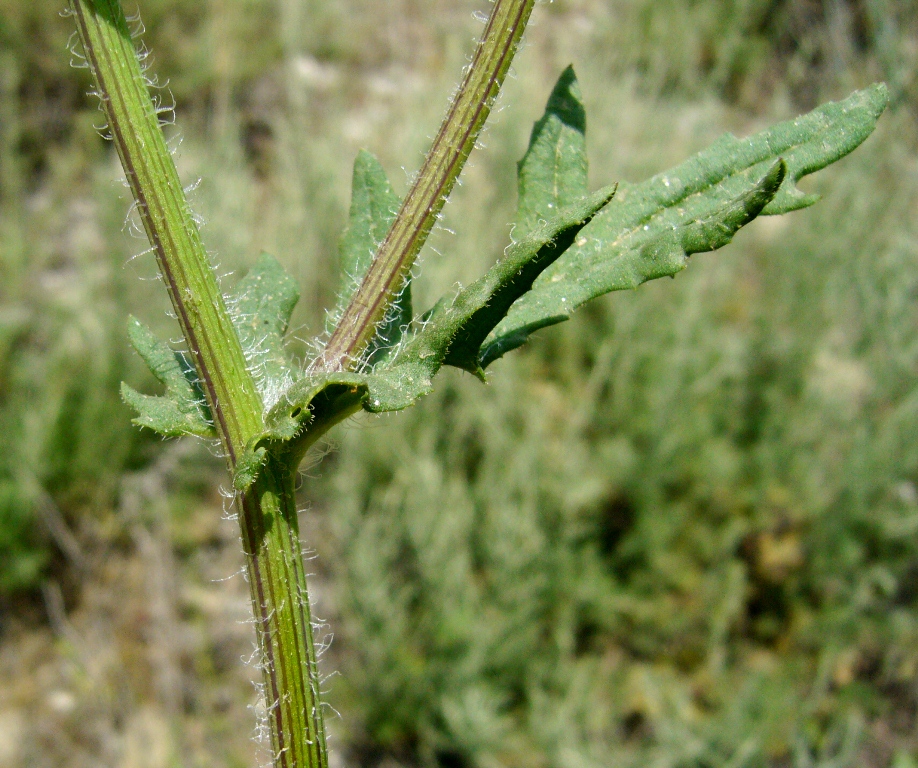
x=183, y=410
x=477, y=310
x=651, y=228
x=308, y=400
x=553, y=172
x=305, y=411
x=261, y=307
x=454, y=330
x=374, y=206
x=399, y=386
x=572, y=251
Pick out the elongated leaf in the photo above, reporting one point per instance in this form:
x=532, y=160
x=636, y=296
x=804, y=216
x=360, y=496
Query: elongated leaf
x=553, y=206
x=650, y=229
x=662, y=253
x=479, y=309
x=261, y=307
x=374, y=205
x=182, y=410
x=553, y=172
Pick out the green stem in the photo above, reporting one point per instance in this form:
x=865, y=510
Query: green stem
x=274, y=566
x=267, y=512
x=167, y=219
x=457, y=136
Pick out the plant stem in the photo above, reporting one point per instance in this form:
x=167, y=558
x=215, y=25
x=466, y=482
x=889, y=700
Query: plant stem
x=274, y=565
x=167, y=219
x=454, y=142
x=267, y=512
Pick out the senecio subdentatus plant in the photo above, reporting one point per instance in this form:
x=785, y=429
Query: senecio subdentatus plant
x=569, y=244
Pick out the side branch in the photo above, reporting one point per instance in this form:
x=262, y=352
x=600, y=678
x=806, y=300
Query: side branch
x=454, y=142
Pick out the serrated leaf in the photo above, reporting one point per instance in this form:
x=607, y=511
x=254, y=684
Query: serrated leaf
x=537, y=283
x=650, y=229
x=183, y=410
x=553, y=172
x=453, y=332
x=374, y=206
x=486, y=302
x=261, y=307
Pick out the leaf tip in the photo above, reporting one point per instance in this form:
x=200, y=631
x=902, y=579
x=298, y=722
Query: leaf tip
x=566, y=101
x=878, y=95
x=365, y=163
x=138, y=334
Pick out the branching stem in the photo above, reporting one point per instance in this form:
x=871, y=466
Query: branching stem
x=267, y=511
x=167, y=220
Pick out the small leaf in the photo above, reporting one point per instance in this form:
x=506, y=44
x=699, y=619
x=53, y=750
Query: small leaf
x=650, y=229
x=374, y=206
x=261, y=307
x=553, y=172
x=183, y=410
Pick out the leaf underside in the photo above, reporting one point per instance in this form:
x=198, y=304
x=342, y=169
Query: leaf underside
x=569, y=246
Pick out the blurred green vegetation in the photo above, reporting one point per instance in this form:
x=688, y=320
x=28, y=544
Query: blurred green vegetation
x=679, y=530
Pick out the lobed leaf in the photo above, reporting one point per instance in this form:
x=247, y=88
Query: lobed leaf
x=183, y=409
x=553, y=207
x=651, y=228
x=572, y=247
x=453, y=332
x=261, y=308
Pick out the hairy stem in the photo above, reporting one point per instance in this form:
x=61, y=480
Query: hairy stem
x=267, y=511
x=274, y=566
x=457, y=136
x=167, y=219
